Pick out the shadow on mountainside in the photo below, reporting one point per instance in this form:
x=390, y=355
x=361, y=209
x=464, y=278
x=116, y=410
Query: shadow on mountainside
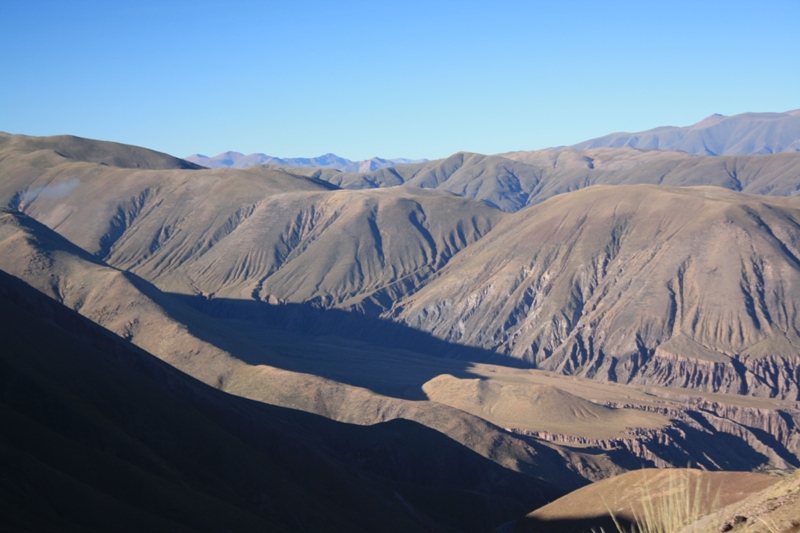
x=96, y=423
x=414, y=356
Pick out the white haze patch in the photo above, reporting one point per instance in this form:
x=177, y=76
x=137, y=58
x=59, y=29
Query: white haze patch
x=51, y=191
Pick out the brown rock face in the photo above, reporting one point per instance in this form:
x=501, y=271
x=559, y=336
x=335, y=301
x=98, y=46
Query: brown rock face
x=689, y=287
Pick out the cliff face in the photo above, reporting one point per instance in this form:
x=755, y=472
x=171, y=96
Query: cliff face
x=681, y=287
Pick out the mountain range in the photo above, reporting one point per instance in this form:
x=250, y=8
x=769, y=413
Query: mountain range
x=744, y=134
x=238, y=160
x=544, y=319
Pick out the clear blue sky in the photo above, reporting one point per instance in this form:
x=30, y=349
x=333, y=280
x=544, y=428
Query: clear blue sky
x=394, y=79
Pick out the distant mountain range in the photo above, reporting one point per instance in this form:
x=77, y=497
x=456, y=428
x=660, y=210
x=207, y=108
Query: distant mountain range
x=745, y=134
x=239, y=160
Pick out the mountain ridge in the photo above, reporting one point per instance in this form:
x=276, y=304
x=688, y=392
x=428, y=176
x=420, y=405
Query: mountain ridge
x=743, y=134
x=239, y=160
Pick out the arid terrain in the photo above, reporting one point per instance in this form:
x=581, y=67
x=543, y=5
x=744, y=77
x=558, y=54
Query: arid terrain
x=457, y=342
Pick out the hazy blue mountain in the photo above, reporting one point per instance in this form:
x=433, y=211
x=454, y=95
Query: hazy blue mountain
x=239, y=160
x=745, y=134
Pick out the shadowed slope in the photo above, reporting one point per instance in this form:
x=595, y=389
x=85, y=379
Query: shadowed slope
x=100, y=435
x=241, y=362
x=679, y=287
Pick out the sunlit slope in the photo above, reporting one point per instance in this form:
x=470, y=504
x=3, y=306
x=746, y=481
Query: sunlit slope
x=665, y=499
x=682, y=287
x=776, y=508
x=537, y=407
x=63, y=148
x=747, y=133
x=94, y=203
x=514, y=180
x=336, y=248
x=257, y=233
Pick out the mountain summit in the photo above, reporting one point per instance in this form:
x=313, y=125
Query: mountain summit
x=744, y=134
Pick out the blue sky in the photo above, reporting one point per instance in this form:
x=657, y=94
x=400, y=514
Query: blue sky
x=392, y=79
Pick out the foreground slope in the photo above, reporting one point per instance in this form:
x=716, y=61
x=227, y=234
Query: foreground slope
x=669, y=498
x=776, y=508
x=689, y=287
x=745, y=134
x=100, y=435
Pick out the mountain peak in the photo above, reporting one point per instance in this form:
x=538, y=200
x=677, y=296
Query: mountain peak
x=709, y=121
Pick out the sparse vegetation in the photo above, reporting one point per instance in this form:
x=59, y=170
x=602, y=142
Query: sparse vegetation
x=686, y=499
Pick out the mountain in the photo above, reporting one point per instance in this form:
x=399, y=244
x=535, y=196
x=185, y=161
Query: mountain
x=745, y=134
x=257, y=232
x=515, y=180
x=421, y=258
x=226, y=343
x=689, y=287
x=284, y=289
x=239, y=160
x=38, y=150
x=101, y=435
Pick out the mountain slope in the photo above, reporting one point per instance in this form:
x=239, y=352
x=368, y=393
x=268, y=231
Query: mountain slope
x=776, y=508
x=669, y=498
x=224, y=340
x=234, y=358
x=99, y=434
x=77, y=149
x=339, y=248
x=256, y=233
x=690, y=287
x=745, y=134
